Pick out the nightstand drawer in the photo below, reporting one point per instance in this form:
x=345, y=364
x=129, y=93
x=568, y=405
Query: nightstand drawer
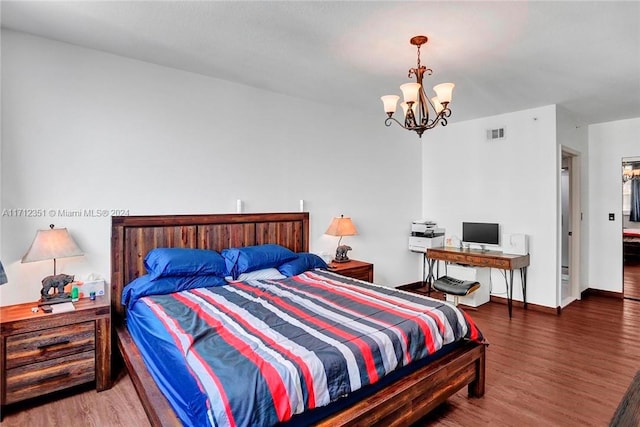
x=360, y=273
x=51, y=375
x=353, y=268
x=47, y=344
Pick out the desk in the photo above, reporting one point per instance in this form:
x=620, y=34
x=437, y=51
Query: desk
x=477, y=258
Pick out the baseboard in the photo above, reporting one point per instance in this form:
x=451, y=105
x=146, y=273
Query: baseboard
x=410, y=286
x=601, y=293
x=534, y=307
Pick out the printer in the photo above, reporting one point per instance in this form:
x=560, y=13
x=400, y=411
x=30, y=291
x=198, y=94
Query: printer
x=422, y=226
x=424, y=235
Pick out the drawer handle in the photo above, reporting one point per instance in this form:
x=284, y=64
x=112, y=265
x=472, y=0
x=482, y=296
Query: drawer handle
x=45, y=346
x=54, y=377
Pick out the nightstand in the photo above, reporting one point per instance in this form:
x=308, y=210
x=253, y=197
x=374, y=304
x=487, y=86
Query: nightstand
x=354, y=269
x=42, y=353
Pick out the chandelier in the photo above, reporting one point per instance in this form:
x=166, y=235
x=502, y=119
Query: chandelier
x=420, y=112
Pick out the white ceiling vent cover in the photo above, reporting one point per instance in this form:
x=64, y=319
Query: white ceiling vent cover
x=493, y=134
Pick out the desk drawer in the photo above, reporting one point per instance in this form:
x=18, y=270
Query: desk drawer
x=488, y=262
x=51, y=375
x=459, y=258
x=46, y=344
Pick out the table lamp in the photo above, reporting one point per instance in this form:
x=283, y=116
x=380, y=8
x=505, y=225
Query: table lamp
x=52, y=244
x=3, y=275
x=341, y=227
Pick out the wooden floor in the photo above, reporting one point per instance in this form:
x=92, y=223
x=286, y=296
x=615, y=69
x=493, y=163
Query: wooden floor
x=542, y=370
x=632, y=279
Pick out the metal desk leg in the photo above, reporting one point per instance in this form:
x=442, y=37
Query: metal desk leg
x=430, y=276
x=509, y=282
x=424, y=272
x=523, y=279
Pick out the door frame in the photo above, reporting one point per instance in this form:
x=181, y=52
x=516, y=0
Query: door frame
x=575, y=227
x=625, y=159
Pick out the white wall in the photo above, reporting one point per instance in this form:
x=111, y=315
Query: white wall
x=513, y=182
x=83, y=129
x=608, y=144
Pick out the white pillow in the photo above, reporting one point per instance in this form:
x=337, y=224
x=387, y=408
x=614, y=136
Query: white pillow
x=264, y=274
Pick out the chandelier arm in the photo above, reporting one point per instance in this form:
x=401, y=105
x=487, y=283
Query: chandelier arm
x=424, y=106
x=388, y=121
x=416, y=128
x=440, y=119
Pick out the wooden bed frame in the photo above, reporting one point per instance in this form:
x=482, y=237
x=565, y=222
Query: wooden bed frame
x=401, y=403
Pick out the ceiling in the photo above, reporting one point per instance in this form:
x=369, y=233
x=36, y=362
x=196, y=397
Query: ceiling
x=503, y=56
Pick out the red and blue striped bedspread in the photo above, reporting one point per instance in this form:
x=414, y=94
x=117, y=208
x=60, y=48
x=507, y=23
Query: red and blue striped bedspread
x=262, y=351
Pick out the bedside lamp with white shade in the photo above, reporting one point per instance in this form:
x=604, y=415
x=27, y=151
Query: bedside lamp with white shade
x=53, y=244
x=3, y=275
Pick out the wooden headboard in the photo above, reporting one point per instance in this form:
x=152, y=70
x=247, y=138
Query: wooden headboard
x=132, y=237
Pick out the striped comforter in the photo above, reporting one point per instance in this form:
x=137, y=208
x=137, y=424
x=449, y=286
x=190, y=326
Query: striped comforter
x=262, y=351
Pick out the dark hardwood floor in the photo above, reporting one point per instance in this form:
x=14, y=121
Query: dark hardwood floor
x=632, y=279
x=542, y=370
x=546, y=370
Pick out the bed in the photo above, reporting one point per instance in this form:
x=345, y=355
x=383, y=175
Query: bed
x=631, y=244
x=403, y=399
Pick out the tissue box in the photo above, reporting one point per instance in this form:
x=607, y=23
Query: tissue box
x=84, y=288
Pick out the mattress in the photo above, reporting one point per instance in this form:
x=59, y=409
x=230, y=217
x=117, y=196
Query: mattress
x=271, y=351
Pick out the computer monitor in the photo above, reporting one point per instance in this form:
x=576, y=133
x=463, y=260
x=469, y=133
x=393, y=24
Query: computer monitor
x=481, y=233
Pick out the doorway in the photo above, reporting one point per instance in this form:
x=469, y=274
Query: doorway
x=631, y=227
x=570, y=227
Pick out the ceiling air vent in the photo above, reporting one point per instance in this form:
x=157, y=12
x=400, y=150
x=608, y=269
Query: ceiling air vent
x=493, y=134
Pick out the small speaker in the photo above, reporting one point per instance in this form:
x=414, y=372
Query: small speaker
x=517, y=244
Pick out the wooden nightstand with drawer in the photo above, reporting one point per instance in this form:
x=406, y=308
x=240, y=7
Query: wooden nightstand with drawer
x=42, y=353
x=354, y=269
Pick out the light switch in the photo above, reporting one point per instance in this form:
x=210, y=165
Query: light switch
x=612, y=217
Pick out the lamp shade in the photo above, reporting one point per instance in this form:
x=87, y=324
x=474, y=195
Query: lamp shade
x=3, y=275
x=342, y=226
x=444, y=92
x=410, y=91
x=390, y=103
x=51, y=244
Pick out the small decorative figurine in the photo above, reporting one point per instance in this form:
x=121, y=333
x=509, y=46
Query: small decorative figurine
x=53, y=288
x=341, y=253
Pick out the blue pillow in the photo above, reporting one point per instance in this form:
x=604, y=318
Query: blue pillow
x=251, y=258
x=162, y=262
x=146, y=285
x=303, y=262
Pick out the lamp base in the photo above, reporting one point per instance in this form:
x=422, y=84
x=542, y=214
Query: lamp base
x=341, y=254
x=52, y=291
x=57, y=299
